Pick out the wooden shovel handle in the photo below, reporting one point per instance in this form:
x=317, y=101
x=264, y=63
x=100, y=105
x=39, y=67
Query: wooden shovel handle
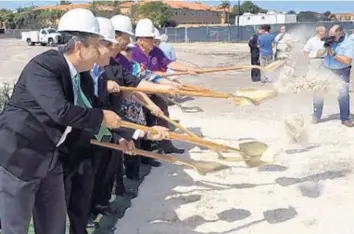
x=195, y=88
x=182, y=92
x=180, y=137
x=210, y=70
x=178, y=126
x=164, y=157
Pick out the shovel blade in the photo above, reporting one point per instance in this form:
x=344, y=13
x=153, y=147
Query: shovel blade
x=253, y=152
x=253, y=148
x=257, y=95
x=204, y=168
x=244, y=101
x=273, y=66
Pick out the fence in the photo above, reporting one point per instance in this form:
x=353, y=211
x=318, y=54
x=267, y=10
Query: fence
x=222, y=33
x=242, y=33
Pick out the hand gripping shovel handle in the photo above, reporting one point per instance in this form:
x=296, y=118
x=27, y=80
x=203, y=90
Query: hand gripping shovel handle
x=176, y=136
x=251, y=155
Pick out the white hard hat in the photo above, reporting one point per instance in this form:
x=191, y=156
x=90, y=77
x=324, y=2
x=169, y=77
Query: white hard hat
x=157, y=34
x=106, y=29
x=79, y=20
x=144, y=28
x=122, y=23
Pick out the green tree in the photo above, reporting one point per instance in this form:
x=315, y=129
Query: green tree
x=310, y=16
x=62, y=2
x=105, y=8
x=225, y=5
x=246, y=6
x=158, y=12
x=291, y=12
x=327, y=13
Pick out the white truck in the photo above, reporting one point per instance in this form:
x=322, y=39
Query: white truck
x=46, y=36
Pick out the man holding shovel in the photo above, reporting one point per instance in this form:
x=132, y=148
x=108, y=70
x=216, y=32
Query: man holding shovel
x=37, y=119
x=152, y=58
x=109, y=163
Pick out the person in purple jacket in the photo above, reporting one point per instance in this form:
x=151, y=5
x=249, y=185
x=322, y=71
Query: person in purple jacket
x=153, y=59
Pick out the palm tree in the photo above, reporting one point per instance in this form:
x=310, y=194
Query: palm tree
x=225, y=5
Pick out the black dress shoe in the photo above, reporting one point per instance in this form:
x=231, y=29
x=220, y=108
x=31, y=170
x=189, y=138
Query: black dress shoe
x=104, y=210
x=119, y=190
x=155, y=163
x=150, y=161
x=167, y=147
x=133, y=176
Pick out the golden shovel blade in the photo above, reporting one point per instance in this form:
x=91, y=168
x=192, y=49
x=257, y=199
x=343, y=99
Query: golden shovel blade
x=243, y=101
x=253, y=152
x=274, y=65
x=257, y=95
x=204, y=168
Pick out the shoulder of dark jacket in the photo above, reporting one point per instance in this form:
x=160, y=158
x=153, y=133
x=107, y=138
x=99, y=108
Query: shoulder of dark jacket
x=51, y=60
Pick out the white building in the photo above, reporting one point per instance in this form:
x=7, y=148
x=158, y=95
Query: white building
x=270, y=17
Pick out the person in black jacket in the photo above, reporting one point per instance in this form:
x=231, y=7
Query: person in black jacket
x=36, y=121
x=77, y=154
x=110, y=163
x=253, y=44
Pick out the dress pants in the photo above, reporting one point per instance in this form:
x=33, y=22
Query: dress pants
x=78, y=190
x=105, y=167
x=255, y=72
x=43, y=196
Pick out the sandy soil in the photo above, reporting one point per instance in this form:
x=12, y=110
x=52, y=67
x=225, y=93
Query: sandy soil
x=307, y=190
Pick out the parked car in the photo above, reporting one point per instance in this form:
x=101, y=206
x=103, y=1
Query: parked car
x=46, y=36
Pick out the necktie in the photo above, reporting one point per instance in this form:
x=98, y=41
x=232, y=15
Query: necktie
x=81, y=100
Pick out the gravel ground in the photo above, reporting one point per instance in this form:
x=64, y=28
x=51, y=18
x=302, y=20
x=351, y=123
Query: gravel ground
x=306, y=190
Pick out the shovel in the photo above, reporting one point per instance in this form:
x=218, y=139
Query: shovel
x=256, y=95
x=174, y=123
x=201, y=167
x=269, y=67
x=241, y=100
x=250, y=151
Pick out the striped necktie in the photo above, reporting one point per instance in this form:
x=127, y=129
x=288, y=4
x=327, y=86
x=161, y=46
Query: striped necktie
x=81, y=100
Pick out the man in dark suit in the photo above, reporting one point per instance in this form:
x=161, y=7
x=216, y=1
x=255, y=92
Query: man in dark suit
x=253, y=44
x=36, y=122
x=108, y=163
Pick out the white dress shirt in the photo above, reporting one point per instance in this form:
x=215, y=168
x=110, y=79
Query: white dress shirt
x=282, y=42
x=313, y=45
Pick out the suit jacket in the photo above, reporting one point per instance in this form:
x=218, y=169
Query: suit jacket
x=114, y=71
x=77, y=147
x=37, y=114
x=253, y=44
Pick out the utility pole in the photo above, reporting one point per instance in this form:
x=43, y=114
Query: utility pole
x=228, y=12
x=238, y=19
